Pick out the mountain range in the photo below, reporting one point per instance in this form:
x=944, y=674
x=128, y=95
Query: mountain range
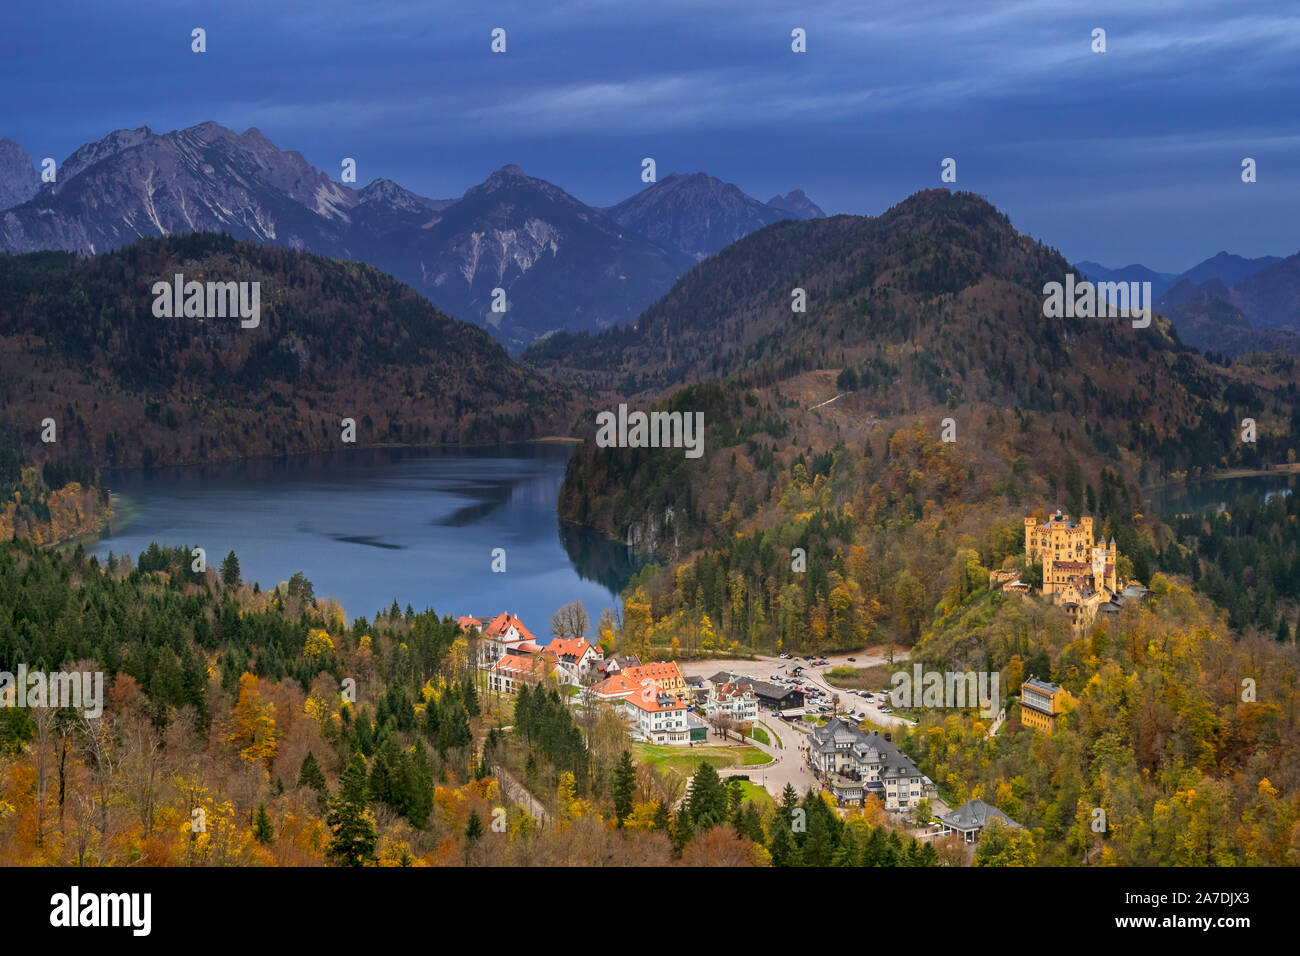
x=563, y=265
x=1227, y=304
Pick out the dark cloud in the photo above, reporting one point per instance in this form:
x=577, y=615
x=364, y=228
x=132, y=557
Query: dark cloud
x=1131, y=155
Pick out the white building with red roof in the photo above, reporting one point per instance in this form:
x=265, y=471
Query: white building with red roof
x=575, y=657
x=658, y=719
x=511, y=671
x=498, y=636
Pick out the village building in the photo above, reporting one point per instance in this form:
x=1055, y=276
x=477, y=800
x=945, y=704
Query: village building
x=575, y=657
x=660, y=719
x=498, y=636
x=854, y=764
x=734, y=699
x=512, y=671
x=970, y=818
x=1042, y=703
x=660, y=677
x=770, y=696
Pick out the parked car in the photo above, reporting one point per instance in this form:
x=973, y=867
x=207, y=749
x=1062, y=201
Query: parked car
x=886, y=710
x=853, y=660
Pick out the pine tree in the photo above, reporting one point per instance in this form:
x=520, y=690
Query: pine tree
x=230, y=570
x=781, y=842
x=682, y=830
x=663, y=817
x=735, y=796
x=419, y=787
x=351, y=820
x=473, y=833
x=623, y=786
x=263, y=832
x=310, y=775
x=748, y=822
x=708, y=800
x=470, y=694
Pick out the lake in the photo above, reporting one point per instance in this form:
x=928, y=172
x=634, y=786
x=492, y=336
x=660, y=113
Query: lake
x=1196, y=496
x=368, y=526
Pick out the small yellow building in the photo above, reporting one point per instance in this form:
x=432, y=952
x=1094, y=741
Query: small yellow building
x=1041, y=703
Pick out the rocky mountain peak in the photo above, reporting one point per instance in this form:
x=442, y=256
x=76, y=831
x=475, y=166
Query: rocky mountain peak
x=19, y=180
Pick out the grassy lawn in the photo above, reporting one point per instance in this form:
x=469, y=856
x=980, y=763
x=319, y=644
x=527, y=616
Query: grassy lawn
x=759, y=734
x=685, y=760
x=772, y=734
x=757, y=795
x=874, y=678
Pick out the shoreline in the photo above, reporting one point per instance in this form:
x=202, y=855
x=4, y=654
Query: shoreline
x=1228, y=474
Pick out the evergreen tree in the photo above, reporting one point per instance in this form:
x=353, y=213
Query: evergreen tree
x=263, y=832
x=351, y=820
x=748, y=822
x=310, y=774
x=230, y=570
x=663, y=816
x=708, y=800
x=623, y=786
x=419, y=788
x=470, y=695
x=735, y=795
x=682, y=830
x=473, y=833
x=781, y=841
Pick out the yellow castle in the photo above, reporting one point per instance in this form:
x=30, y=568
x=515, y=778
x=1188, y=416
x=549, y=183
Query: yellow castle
x=1077, y=571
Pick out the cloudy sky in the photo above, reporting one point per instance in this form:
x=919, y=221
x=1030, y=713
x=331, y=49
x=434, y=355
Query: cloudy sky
x=1133, y=155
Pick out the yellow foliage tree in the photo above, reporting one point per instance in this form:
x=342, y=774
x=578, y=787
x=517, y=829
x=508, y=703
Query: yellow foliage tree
x=253, y=724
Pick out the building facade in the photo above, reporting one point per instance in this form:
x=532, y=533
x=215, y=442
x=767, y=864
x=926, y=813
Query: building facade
x=854, y=764
x=1041, y=704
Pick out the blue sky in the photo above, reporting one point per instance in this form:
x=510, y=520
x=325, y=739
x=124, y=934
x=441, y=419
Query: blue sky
x=1131, y=155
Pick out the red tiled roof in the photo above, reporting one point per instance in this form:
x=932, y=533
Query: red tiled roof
x=574, y=647
x=523, y=664
x=658, y=671
x=497, y=627
x=653, y=705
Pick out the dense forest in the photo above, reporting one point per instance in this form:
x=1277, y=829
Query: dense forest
x=1182, y=735
x=52, y=503
x=250, y=727
x=80, y=344
x=868, y=462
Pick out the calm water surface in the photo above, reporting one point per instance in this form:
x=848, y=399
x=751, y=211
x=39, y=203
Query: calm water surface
x=372, y=525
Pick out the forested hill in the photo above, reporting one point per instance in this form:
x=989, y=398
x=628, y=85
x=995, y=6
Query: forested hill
x=80, y=343
x=831, y=432
x=934, y=309
x=938, y=299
